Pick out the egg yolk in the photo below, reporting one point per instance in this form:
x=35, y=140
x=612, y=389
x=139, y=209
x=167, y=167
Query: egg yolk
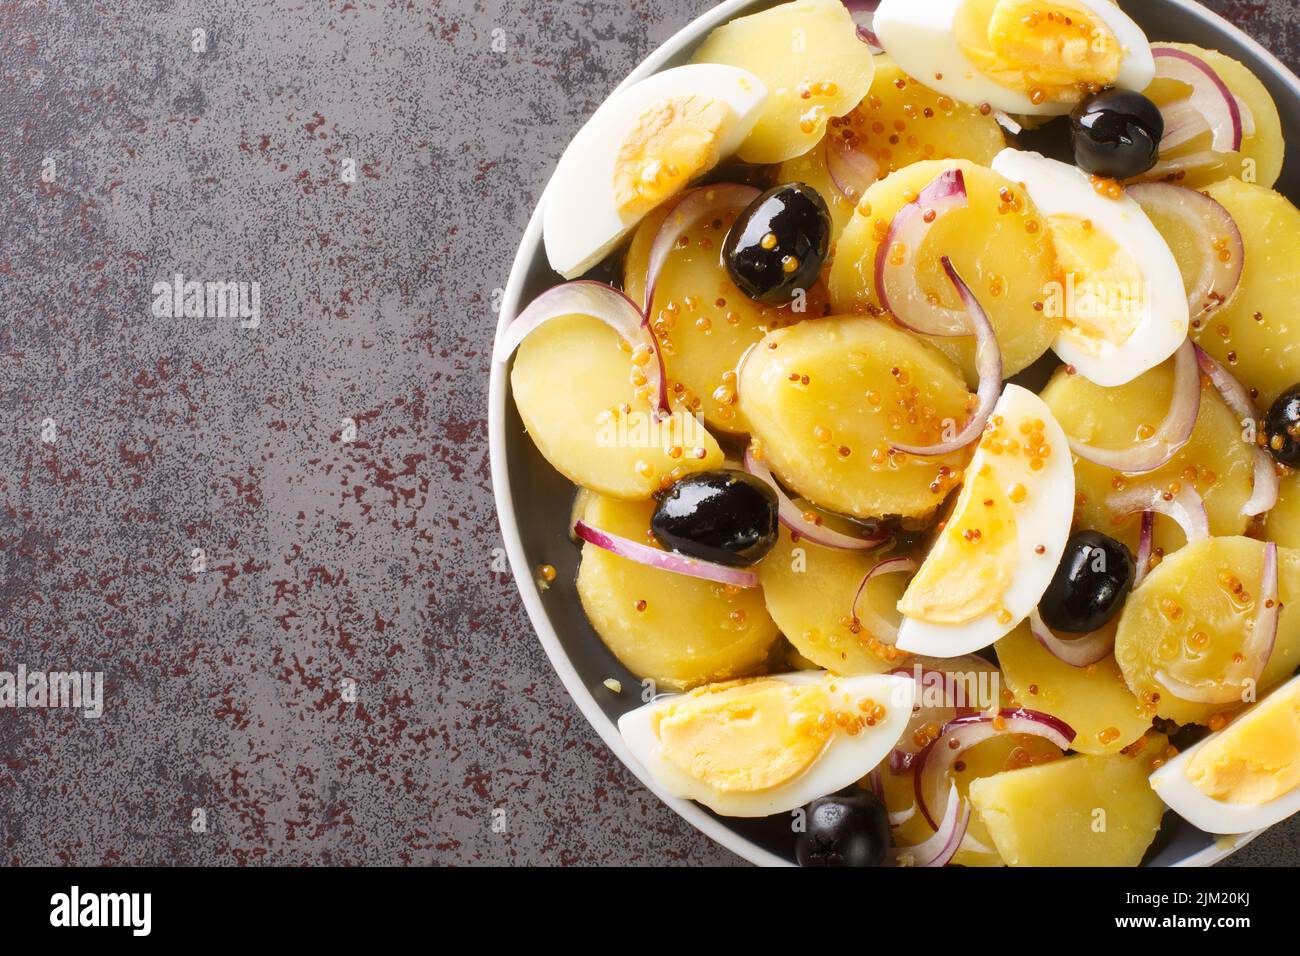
x=1100, y=293
x=747, y=736
x=666, y=147
x=1055, y=51
x=1255, y=759
x=972, y=563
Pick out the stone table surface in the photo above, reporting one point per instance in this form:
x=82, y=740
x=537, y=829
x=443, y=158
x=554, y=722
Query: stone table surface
x=276, y=542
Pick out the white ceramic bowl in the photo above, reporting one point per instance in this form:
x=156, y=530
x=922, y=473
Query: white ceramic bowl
x=533, y=501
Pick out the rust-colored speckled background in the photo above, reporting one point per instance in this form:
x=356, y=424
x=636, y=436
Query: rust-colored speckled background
x=328, y=561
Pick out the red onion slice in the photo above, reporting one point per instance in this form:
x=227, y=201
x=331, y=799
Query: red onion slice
x=585, y=297
x=1210, y=95
x=1267, y=486
x=896, y=817
x=1249, y=667
x=886, y=632
x=691, y=208
x=864, y=16
x=1183, y=164
x=1145, y=538
x=1008, y=122
x=1247, y=117
x=1079, y=652
x=895, y=267
x=792, y=517
x=665, y=560
x=1173, y=433
x=1184, y=506
x=934, y=768
x=1215, y=227
x=988, y=363
x=940, y=848
x=850, y=169
x=954, y=704
x=1183, y=123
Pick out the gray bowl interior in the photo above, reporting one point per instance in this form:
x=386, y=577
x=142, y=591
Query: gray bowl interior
x=543, y=497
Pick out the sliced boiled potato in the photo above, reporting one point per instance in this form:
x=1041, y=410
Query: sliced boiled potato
x=1080, y=811
x=1257, y=335
x=1216, y=461
x=809, y=56
x=572, y=382
x=1193, y=250
x=702, y=321
x=827, y=396
x=1094, y=700
x=1262, y=153
x=1009, y=266
x=809, y=590
x=901, y=122
x=676, y=630
x=1184, y=614
x=993, y=756
x=1282, y=524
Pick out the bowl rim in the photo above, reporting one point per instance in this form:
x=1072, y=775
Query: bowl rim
x=530, y=244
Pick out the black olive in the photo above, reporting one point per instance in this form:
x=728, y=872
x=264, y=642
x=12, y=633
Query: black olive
x=1116, y=134
x=727, y=517
x=844, y=830
x=1282, y=427
x=779, y=243
x=1093, y=579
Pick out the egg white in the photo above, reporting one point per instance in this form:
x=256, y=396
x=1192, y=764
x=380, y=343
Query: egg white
x=1058, y=189
x=920, y=36
x=1042, y=519
x=581, y=223
x=845, y=760
x=1217, y=816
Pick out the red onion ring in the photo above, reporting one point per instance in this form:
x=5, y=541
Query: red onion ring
x=1193, y=161
x=789, y=514
x=1008, y=122
x=988, y=362
x=1183, y=123
x=901, y=759
x=1185, y=507
x=1145, y=536
x=864, y=16
x=896, y=817
x=690, y=209
x=1218, y=280
x=585, y=297
x=1254, y=654
x=665, y=560
x=909, y=228
x=1080, y=652
x=850, y=169
x=940, y=848
x=1267, y=486
x=1210, y=95
x=1174, y=432
x=936, y=761
x=884, y=631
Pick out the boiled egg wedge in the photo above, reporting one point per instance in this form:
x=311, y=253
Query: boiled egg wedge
x=643, y=146
x=1119, y=291
x=998, y=549
x=752, y=748
x=1243, y=777
x=1035, y=57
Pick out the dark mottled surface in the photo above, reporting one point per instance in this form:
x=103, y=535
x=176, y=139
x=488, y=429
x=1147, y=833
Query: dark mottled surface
x=328, y=560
